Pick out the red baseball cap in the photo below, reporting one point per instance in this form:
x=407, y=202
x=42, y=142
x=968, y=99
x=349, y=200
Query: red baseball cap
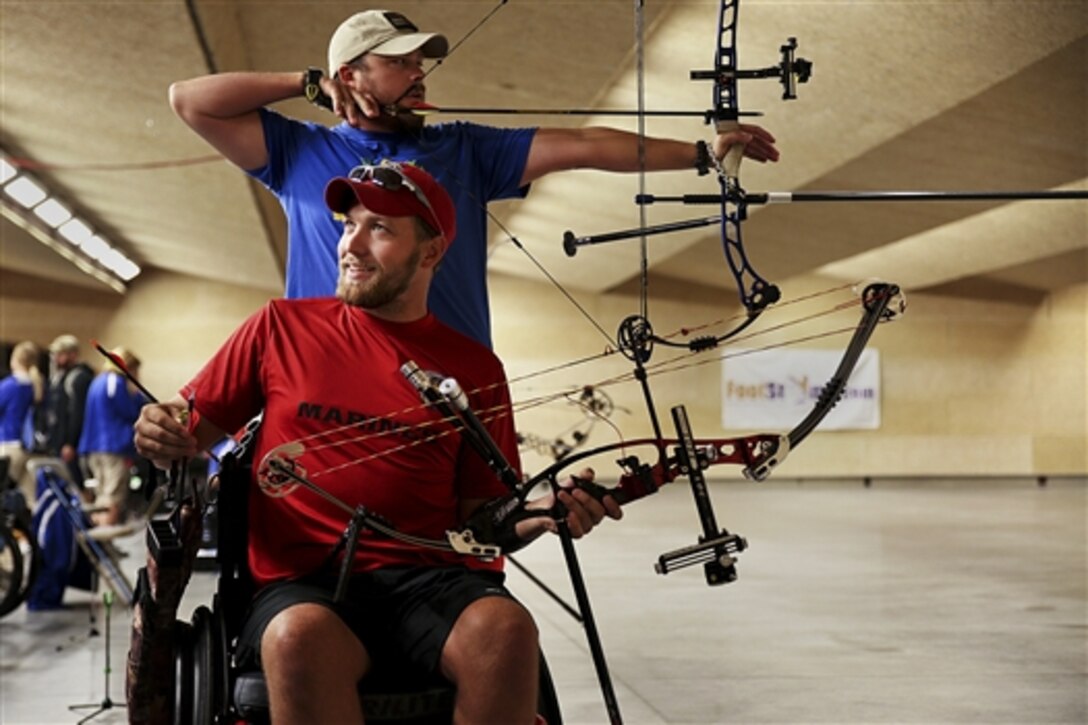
x=395, y=190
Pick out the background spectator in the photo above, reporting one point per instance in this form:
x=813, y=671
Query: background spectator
x=19, y=393
x=60, y=421
x=105, y=446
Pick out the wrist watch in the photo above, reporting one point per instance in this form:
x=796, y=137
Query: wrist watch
x=311, y=88
x=702, y=157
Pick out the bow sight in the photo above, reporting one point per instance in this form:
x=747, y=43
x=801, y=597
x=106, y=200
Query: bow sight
x=790, y=71
x=716, y=548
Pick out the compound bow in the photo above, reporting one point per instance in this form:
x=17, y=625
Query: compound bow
x=595, y=405
x=673, y=457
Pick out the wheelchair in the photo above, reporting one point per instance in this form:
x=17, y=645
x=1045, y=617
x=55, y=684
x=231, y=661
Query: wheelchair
x=210, y=687
x=20, y=555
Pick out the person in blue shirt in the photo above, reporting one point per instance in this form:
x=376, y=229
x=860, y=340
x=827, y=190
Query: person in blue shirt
x=375, y=83
x=19, y=393
x=105, y=446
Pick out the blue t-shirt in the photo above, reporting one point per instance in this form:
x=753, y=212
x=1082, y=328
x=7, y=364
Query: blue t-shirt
x=111, y=411
x=16, y=397
x=476, y=164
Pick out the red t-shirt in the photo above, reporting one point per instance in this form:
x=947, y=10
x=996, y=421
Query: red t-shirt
x=328, y=375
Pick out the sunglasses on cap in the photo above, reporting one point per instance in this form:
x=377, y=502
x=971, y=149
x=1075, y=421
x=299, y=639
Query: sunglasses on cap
x=388, y=175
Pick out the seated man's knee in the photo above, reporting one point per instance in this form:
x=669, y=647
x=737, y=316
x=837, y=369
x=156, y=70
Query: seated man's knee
x=500, y=626
x=310, y=640
x=494, y=640
x=312, y=664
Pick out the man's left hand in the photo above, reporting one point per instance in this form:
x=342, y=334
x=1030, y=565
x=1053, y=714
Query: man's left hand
x=758, y=142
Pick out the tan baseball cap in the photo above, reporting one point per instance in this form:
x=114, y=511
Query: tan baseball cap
x=64, y=343
x=382, y=32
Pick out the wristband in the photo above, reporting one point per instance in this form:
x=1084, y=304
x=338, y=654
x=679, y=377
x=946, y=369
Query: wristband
x=702, y=157
x=311, y=88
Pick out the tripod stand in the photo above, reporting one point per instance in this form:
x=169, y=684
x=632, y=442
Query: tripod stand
x=107, y=703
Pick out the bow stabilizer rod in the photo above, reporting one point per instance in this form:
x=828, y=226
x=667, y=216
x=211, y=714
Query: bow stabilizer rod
x=572, y=242
x=787, y=197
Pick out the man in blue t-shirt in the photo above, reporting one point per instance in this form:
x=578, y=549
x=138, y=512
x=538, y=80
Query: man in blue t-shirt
x=376, y=65
x=105, y=445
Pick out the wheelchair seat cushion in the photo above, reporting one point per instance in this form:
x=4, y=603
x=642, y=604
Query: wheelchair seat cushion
x=406, y=702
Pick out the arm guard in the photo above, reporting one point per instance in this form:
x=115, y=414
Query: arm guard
x=494, y=523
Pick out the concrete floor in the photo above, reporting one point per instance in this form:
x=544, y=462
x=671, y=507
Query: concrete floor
x=909, y=602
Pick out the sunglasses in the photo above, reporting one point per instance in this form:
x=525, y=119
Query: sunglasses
x=389, y=176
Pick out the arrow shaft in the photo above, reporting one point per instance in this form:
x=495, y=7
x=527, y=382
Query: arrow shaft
x=787, y=197
x=569, y=112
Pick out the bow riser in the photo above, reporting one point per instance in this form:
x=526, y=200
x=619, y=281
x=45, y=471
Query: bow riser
x=641, y=480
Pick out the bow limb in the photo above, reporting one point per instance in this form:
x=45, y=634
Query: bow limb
x=881, y=301
x=756, y=293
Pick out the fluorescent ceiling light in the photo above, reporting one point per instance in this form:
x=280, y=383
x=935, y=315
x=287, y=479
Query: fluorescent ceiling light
x=25, y=191
x=56, y=221
x=124, y=267
x=52, y=212
x=75, y=231
x=127, y=269
x=96, y=247
x=111, y=258
x=7, y=171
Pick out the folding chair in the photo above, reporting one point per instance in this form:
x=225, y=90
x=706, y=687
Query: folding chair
x=57, y=498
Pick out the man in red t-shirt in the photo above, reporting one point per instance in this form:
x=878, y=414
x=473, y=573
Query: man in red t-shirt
x=327, y=375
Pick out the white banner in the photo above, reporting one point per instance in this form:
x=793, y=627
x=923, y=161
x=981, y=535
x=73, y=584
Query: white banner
x=775, y=389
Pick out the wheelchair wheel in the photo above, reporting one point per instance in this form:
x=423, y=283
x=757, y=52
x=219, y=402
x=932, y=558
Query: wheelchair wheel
x=183, y=673
x=17, y=519
x=11, y=570
x=32, y=559
x=209, y=667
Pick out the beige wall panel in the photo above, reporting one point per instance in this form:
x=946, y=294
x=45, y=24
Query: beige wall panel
x=176, y=323
x=173, y=322
x=970, y=387
x=36, y=310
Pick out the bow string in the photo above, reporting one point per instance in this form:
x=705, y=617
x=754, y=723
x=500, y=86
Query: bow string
x=635, y=336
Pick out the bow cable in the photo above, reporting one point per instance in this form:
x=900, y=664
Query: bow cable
x=681, y=361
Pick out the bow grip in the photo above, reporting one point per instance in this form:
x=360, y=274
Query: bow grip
x=643, y=481
x=730, y=163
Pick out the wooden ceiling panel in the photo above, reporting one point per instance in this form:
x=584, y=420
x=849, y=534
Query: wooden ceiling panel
x=904, y=95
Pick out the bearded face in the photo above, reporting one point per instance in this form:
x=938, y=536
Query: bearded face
x=368, y=284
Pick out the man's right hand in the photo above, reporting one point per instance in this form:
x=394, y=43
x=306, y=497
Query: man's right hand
x=162, y=433
x=349, y=105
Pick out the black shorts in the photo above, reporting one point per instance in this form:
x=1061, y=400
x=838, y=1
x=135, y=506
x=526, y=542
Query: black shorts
x=401, y=615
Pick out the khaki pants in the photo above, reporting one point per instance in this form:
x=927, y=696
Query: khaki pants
x=17, y=471
x=111, y=471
